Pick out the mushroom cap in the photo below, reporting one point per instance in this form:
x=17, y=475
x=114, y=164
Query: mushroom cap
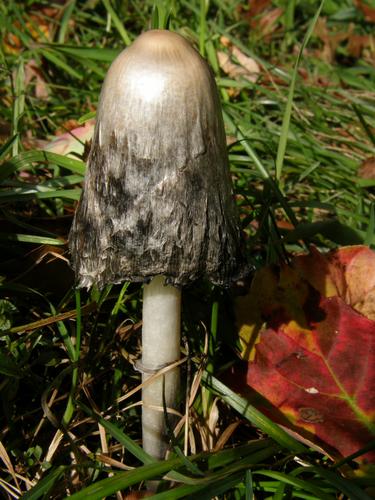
x=157, y=197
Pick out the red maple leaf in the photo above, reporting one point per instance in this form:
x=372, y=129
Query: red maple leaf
x=311, y=351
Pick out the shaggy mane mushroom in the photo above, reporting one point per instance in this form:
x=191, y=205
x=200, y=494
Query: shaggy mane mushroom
x=157, y=203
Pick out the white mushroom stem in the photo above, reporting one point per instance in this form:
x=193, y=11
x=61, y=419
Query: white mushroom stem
x=160, y=348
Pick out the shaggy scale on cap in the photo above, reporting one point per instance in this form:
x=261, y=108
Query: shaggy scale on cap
x=157, y=198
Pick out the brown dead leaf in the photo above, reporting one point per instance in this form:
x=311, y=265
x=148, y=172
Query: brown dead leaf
x=348, y=273
x=248, y=63
x=261, y=16
x=68, y=126
x=367, y=10
x=362, y=46
x=236, y=64
x=231, y=69
x=29, y=141
x=268, y=22
x=303, y=73
x=72, y=140
x=32, y=72
x=356, y=43
x=231, y=139
x=360, y=279
x=256, y=7
x=367, y=169
x=43, y=32
x=331, y=40
x=225, y=42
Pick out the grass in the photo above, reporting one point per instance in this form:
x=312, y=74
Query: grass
x=298, y=134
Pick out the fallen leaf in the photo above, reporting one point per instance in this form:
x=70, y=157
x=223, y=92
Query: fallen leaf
x=353, y=269
x=331, y=40
x=257, y=7
x=29, y=141
x=348, y=272
x=358, y=43
x=238, y=70
x=262, y=17
x=72, y=143
x=248, y=63
x=32, y=72
x=367, y=168
x=268, y=22
x=308, y=333
x=236, y=64
x=322, y=379
x=13, y=44
x=368, y=11
x=225, y=42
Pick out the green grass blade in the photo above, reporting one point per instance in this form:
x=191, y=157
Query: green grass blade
x=262, y=169
x=204, y=4
x=161, y=14
x=23, y=195
x=333, y=230
x=26, y=160
x=252, y=414
x=70, y=406
x=155, y=17
x=349, y=488
x=68, y=10
x=364, y=124
x=18, y=104
x=207, y=489
x=86, y=117
x=5, y=147
x=30, y=238
x=120, y=27
x=288, y=110
x=121, y=437
x=229, y=455
x=57, y=60
x=123, y=480
x=289, y=20
x=9, y=367
x=370, y=233
x=78, y=323
x=67, y=180
x=103, y=54
x=279, y=494
x=369, y=447
x=44, y=485
x=299, y=484
x=222, y=480
x=249, y=493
